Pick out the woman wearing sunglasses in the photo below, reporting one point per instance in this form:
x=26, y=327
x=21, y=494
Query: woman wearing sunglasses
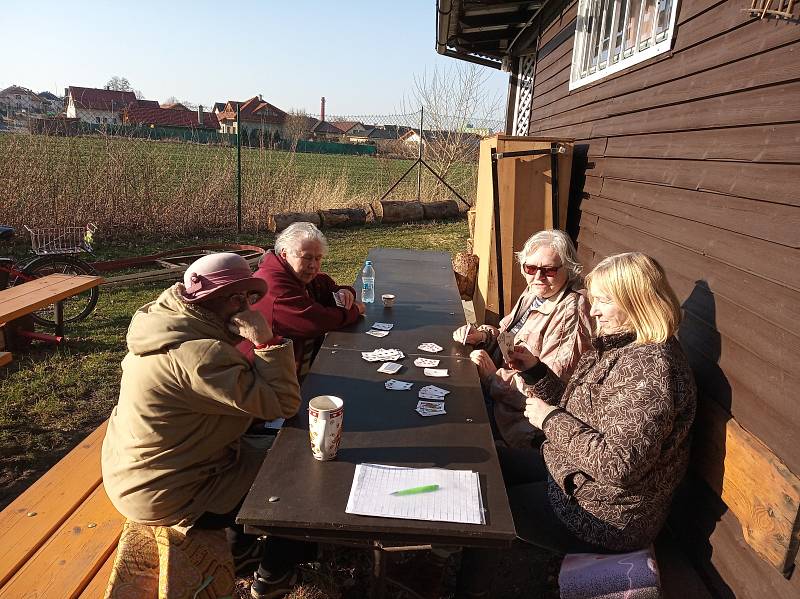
x=551, y=318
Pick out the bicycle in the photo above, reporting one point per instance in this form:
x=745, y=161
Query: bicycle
x=56, y=250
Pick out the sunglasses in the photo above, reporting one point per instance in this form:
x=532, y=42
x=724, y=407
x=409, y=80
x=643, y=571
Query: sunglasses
x=547, y=271
x=251, y=298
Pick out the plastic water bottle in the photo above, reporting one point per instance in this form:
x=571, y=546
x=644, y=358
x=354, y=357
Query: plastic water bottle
x=368, y=283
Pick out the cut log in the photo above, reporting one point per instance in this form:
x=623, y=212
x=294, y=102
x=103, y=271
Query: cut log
x=398, y=211
x=278, y=222
x=440, y=210
x=343, y=217
x=465, y=268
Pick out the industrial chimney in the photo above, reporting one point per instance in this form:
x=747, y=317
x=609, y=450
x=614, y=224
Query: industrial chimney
x=322, y=109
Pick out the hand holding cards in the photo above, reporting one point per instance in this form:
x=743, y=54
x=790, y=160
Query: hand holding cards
x=505, y=340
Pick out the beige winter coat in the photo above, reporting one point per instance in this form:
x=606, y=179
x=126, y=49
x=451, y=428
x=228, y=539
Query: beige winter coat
x=558, y=331
x=173, y=449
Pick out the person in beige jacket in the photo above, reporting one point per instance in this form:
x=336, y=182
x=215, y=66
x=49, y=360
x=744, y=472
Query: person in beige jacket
x=175, y=451
x=551, y=318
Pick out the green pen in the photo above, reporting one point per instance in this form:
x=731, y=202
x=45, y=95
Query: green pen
x=415, y=490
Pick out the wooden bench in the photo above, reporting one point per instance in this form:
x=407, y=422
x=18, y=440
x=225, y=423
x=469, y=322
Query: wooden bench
x=21, y=300
x=58, y=539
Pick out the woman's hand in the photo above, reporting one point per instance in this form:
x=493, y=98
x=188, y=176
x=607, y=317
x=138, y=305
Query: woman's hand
x=490, y=331
x=346, y=297
x=521, y=358
x=251, y=325
x=537, y=410
x=484, y=363
x=468, y=335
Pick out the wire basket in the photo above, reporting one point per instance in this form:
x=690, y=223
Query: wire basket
x=62, y=240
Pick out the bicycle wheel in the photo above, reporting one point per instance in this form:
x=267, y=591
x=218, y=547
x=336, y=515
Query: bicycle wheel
x=76, y=307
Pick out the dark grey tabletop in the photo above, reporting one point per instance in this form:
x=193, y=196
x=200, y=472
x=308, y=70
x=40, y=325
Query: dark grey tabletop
x=381, y=426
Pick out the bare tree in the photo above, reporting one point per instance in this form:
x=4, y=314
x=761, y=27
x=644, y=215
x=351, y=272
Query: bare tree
x=121, y=84
x=296, y=126
x=459, y=109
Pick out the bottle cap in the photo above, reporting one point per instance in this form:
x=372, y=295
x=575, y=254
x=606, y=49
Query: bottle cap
x=368, y=262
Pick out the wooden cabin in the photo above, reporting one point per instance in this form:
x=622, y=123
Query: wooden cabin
x=684, y=117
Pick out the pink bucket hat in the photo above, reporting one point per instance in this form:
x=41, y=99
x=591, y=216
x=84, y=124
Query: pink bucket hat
x=211, y=275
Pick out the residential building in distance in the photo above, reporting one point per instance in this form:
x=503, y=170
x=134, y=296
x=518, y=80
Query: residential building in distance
x=17, y=100
x=255, y=115
x=149, y=113
x=51, y=103
x=97, y=106
x=325, y=131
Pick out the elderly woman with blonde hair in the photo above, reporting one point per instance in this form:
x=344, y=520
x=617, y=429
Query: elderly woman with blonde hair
x=551, y=318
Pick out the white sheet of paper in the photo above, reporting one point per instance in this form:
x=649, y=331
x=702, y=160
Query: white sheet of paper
x=458, y=498
x=435, y=372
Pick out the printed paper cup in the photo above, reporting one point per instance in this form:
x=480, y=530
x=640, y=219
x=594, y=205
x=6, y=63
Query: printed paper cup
x=325, y=416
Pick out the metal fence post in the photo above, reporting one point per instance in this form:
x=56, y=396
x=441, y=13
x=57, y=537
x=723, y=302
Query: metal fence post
x=419, y=156
x=238, y=172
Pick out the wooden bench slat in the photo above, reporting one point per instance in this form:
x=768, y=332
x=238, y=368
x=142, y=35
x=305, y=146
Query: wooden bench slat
x=96, y=589
x=53, y=498
x=70, y=559
x=5, y=358
x=33, y=295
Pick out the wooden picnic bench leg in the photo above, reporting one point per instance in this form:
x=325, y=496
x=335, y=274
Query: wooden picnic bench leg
x=59, y=314
x=378, y=582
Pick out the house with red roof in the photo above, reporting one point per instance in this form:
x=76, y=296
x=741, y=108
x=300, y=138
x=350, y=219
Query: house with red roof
x=255, y=115
x=97, y=106
x=149, y=113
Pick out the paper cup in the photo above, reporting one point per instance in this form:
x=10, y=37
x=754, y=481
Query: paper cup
x=325, y=415
x=388, y=299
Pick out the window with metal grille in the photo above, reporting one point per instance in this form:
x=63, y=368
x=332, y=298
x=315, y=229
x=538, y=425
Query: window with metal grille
x=611, y=35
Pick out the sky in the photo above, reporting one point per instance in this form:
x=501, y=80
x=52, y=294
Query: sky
x=361, y=55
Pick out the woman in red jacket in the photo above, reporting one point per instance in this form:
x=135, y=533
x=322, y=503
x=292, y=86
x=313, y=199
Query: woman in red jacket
x=303, y=303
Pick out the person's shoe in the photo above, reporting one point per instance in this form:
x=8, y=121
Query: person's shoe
x=273, y=588
x=247, y=553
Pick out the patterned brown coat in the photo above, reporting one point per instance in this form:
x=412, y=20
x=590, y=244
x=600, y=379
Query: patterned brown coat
x=619, y=445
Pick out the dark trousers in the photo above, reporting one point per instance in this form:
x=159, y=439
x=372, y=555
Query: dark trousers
x=525, y=476
x=280, y=554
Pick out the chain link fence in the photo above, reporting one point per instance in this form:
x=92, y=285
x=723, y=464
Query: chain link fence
x=145, y=177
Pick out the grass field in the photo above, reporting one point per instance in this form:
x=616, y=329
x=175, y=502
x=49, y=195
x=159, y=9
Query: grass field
x=53, y=397
x=131, y=186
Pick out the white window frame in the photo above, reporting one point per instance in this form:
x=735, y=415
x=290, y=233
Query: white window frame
x=594, y=12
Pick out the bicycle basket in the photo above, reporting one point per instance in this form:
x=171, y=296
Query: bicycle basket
x=62, y=240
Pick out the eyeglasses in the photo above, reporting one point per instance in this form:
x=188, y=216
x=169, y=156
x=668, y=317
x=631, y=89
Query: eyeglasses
x=251, y=297
x=547, y=271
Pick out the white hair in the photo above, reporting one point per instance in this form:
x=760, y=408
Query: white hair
x=560, y=243
x=295, y=234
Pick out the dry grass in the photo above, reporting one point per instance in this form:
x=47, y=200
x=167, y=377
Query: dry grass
x=129, y=186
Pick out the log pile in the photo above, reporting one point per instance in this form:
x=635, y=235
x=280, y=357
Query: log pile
x=278, y=222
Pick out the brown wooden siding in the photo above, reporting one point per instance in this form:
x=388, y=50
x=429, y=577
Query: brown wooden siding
x=694, y=158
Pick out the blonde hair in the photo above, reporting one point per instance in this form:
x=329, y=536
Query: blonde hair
x=561, y=245
x=639, y=286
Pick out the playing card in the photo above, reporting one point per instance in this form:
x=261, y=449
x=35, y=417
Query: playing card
x=375, y=333
x=428, y=395
x=390, y=367
x=434, y=390
x=505, y=341
x=435, y=372
x=431, y=347
x=467, y=331
x=430, y=407
x=382, y=326
x=425, y=362
x=337, y=299
x=398, y=385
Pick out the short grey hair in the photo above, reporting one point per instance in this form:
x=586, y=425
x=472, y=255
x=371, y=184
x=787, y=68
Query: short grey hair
x=296, y=233
x=561, y=244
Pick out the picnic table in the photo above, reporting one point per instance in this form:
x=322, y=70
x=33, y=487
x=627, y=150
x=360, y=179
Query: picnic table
x=382, y=427
x=21, y=300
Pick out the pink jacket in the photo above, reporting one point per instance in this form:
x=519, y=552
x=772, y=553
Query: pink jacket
x=559, y=330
